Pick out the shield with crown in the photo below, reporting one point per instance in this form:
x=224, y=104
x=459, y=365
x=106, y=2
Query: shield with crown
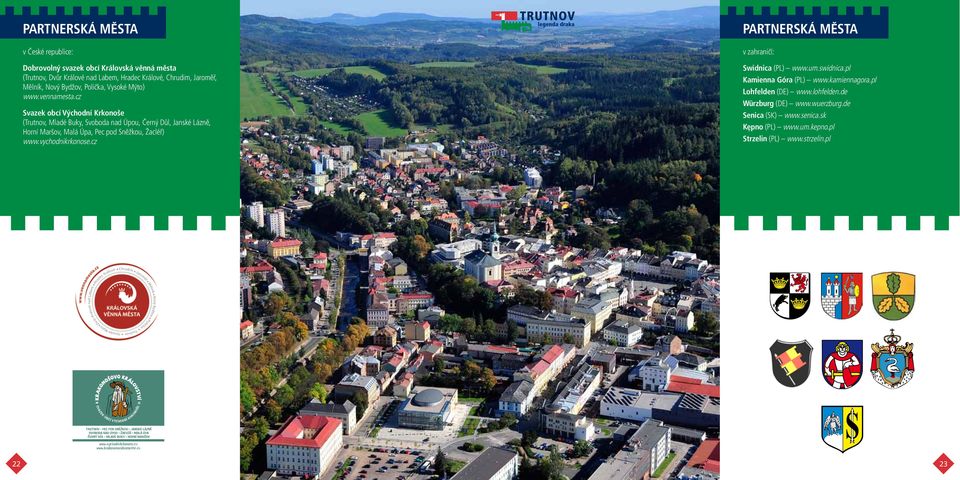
x=789, y=294
x=891, y=364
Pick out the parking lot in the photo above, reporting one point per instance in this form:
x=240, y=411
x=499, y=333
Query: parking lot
x=387, y=464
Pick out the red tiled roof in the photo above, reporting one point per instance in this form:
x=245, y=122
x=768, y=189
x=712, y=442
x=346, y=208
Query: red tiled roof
x=700, y=389
x=285, y=242
x=539, y=367
x=291, y=434
x=246, y=324
x=261, y=267
x=565, y=292
x=416, y=296
x=707, y=456
x=552, y=353
x=372, y=236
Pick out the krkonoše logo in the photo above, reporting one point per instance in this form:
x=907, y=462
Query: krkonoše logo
x=117, y=302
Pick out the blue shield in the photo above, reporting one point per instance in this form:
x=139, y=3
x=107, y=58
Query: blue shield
x=892, y=367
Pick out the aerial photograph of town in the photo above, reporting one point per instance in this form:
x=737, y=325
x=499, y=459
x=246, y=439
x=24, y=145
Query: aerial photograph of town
x=480, y=246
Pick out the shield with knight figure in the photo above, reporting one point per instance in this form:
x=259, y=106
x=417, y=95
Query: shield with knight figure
x=841, y=294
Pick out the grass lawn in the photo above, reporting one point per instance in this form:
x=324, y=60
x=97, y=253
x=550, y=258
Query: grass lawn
x=336, y=127
x=664, y=464
x=606, y=431
x=454, y=466
x=256, y=100
x=473, y=410
x=469, y=427
x=261, y=63
x=361, y=69
x=380, y=123
x=545, y=69
x=443, y=64
x=375, y=432
x=471, y=400
x=298, y=105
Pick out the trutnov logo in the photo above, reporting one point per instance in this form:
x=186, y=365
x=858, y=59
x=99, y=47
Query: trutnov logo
x=118, y=302
x=523, y=20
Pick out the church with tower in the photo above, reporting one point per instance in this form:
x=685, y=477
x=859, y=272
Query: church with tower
x=485, y=265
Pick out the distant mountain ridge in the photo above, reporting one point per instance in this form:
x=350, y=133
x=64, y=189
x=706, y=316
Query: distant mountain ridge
x=706, y=16
x=390, y=17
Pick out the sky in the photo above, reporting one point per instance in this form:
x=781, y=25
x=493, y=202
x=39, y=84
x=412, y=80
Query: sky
x=448, y=8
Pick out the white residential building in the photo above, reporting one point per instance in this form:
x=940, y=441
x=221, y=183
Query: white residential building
x=276, y=223
x=532, y=178
x=255, y=213
x=623, y=334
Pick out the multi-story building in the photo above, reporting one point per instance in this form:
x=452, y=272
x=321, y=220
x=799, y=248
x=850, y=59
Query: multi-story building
x=669, y=344
x=531, y=176
x=305, y=445
x=569, y=425
x=284, y=247
x=255, y=213
x=417, y=331
x=495, y=463
x=385, y=337
x=246, y=330
x=409, y=302
x=380, y=240
x=378, y=314
x=521, y=314
x=353, y=384
x=546, y=366
x=276, y=222
x=577, y=391
x=444, y=229
x=559, y=327
x=428, y=408
x=635, y=405
x=644, y=450
x=594, y=310
x=654, y=373
x=454, y=253
x=623, y=334
x=346, y=412
x=517, y=398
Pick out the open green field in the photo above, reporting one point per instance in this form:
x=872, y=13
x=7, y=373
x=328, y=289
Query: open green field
x=443, y=64
x=298, y=106
x=336, y=127
x=380, y=123
x=361, y=69
x=256, y=100
x=261, y=63
x=545, y=69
